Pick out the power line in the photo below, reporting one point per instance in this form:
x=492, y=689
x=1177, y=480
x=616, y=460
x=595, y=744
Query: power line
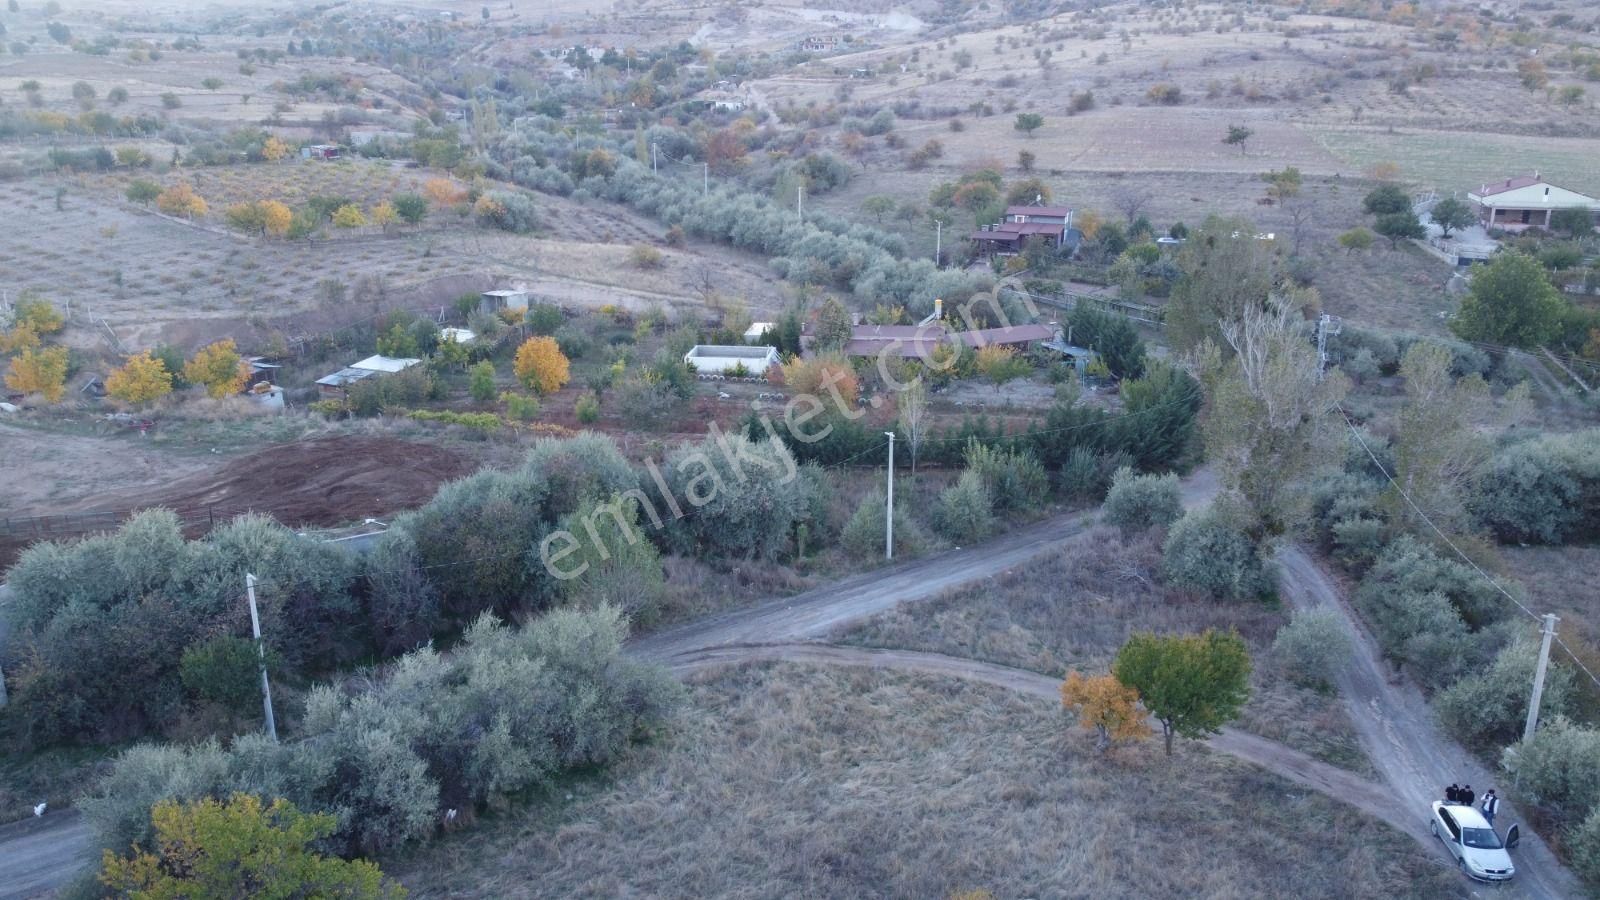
x=1578, y=661
x=1436, y=530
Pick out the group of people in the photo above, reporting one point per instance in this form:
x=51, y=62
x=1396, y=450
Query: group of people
x=1463, y=796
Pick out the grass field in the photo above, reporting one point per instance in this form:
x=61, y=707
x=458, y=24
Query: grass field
x=1457, y=162
x=1074, y=608
x=794, y=782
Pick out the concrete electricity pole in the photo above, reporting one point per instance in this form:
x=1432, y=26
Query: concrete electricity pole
x=1326, y=327
x=1547, y=632
x=800, y=202
x=705, y=179
x=888, y=519
x=652, y=157
x=938, y=240
x=255, y=626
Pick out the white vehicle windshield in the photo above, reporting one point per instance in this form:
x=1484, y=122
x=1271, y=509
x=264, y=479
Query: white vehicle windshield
x=1481, y=838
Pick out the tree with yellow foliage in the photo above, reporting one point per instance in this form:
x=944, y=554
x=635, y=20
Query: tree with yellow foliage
x=384, y=215
x=349, y=216
x=219, y=368
x=1087, y=221
x=541, y=366
x=40, y=371
x=824, y=377
x=274, y=149
x=36, y=313
x=142, y=379
x=1000, y=364
x=1107, y=706
x=241, y=848
x=276, y=217
x=181, y=200
x=21, y=337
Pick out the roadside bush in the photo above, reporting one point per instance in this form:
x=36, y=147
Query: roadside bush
x=864, y=534
x=402, y=604
x=587, y=466
x=1487, y=707
x=1583, y=847
x=224, y=670
x=1312, y=646
x=1013, y=477
x=1408, y=566
x=493, y=518
x=613, y=561
x=1544, y=491
x=1420, y=628
x=507, y=210
x=1139, y=502
x=965, y=512
x=1207, y=553
x=506, y=711
x=1558, y=768
x=740, y=498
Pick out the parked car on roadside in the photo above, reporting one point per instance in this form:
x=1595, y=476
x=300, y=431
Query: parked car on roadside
x=1477, y=847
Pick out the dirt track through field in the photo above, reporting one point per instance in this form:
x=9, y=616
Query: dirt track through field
x=1402, y=738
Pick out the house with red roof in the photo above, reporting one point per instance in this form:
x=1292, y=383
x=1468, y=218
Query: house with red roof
x=1526, y=201
x=1021, y=224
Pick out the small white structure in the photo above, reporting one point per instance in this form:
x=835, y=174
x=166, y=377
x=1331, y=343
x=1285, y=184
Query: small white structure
x=720, y=359
x=756, y=330
x=267, y=394
x=505, y=299
x=386, y=365
x=457, y=336
x=373, y=366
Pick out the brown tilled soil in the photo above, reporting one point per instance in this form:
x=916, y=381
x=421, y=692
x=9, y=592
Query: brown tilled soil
x=324, y=481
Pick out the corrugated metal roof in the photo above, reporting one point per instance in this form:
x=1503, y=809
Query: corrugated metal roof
x=385, y=364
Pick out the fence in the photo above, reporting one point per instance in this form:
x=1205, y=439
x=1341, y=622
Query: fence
x=62, y=525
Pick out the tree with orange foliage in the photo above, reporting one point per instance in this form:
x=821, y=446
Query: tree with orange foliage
x=142, y=379
x=181, y=200
x=1107, y=706
x=444, y=192
x=40, y=371
x=724, y=150
x=822, y=377
x=541, y=366
x=218, y=367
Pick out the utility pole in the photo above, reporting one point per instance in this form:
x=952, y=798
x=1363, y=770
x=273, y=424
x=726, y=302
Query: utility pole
x=888, y=519
x=653, y=158
x=800, y=202
x=1548, y=632
x=261, y=649
x=1326, y=326
x=938, y=240
x=705, y=179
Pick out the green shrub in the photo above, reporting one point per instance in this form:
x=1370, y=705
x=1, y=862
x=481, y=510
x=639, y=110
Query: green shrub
x=1488, y=706
x=587, y=409
x=522, y=407
x=1139, y=502
x=864, y=534
x=1545, y=490
x=1014, y=478
x=477, y=421
x=1313, y=646
x=1417, y=627
x=1559, y=767
x=544, y=318
x=481, y=381
x=744, y=498
x=573, y=342
x=1207, y=553
x=1583, y=847
x=1111, y=336
x=225, y=670
x=1407, y=566
x=614, y=562
x=965, y=512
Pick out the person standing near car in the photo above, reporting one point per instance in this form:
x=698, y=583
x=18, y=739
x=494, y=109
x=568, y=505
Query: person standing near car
x=1490, y=806
x=1452, y=794
x=1466, y=796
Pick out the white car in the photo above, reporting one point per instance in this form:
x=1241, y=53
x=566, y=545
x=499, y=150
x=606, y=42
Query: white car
x=1474, y=842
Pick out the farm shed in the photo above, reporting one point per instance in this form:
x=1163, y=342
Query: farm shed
x=717, y=359
x=504, y=298
x=321, y=151
x=338, y=383
x=457, y=336
x=1526, y=201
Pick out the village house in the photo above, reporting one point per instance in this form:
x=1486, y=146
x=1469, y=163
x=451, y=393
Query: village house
x=321, y=151
x=1022, y=223
x=1526, y=201
x=494, y=301
x=720, y=359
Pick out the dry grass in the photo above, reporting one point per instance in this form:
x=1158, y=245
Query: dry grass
x=796, y=782
x=1073, y=608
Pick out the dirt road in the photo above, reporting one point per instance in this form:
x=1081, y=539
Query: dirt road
x=1401, y=736
x=38, y=855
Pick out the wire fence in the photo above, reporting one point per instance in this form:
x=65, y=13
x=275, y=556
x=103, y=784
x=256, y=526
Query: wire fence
x=202, y=518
